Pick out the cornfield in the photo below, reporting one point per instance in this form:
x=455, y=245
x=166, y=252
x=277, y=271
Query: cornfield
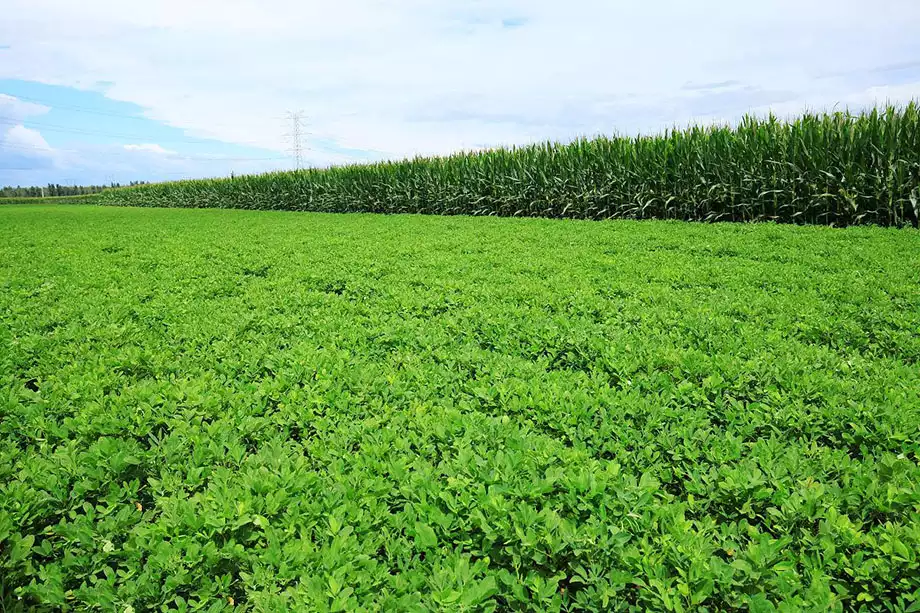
x=831, y=168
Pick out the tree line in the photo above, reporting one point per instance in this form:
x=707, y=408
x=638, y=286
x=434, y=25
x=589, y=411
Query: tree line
x=54, y=189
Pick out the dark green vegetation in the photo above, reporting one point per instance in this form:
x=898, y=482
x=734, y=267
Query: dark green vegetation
x=837, y=169
x=54, y=190
x=347, y=412
x=85, y=199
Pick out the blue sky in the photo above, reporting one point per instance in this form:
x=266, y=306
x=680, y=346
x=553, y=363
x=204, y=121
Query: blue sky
x=114, y=90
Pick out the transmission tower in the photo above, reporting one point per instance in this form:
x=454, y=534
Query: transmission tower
x=295, y=137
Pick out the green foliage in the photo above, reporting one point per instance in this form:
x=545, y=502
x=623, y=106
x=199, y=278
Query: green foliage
x=54, y=190
x=84, y=199
x=216, y=410
x=831, y=169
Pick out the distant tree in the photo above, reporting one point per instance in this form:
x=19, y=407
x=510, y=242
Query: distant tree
x=55, y=189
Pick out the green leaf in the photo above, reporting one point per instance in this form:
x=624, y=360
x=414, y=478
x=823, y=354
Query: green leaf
x=425, y=536
x=21, y=548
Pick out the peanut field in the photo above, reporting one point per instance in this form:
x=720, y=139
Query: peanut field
x=225, y=410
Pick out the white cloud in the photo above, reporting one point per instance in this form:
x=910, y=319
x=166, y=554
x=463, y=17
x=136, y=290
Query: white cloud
x=26, y=138
x=150, y=148
x=14, y=110
x=15, y=139
x=425, y=77
x=24, y=147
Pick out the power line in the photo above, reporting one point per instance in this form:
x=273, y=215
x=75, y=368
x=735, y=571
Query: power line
x=81, y=109
x=296, y=134
x=50, y=127
x=295, y=118
x=169, y=156
x=31, y=148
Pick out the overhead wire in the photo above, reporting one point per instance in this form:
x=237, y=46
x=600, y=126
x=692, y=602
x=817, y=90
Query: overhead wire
x=170, y=156
x=166, y=155
x=50, y=127
x=57, y=105
x=71, y=130
x=82, y=109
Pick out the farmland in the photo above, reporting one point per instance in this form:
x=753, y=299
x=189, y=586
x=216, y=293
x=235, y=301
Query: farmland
x=270, y=411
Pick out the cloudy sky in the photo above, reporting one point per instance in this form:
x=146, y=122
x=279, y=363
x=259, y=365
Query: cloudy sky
x=115, y=90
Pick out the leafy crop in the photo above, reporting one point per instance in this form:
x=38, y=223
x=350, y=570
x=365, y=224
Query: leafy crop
x=832, y=169
x=232, y=410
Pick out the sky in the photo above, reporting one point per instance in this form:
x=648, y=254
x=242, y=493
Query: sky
x=98, y=91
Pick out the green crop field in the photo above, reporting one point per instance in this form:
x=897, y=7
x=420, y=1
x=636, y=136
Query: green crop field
x=272, y=411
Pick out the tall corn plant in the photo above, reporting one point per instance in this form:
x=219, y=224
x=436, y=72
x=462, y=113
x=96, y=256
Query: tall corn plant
x=837, y=168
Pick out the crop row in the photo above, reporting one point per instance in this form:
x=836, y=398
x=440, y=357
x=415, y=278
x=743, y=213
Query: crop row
x=833, y=169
